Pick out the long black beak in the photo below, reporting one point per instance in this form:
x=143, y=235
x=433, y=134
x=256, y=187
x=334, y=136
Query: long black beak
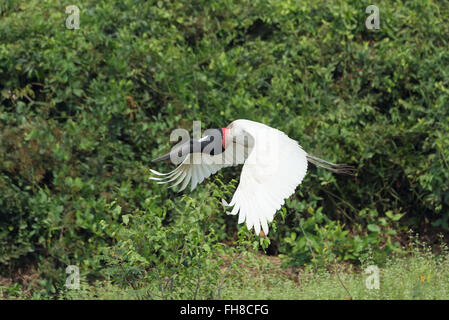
x=162, y=158
x=180, y=152
x=211, y=144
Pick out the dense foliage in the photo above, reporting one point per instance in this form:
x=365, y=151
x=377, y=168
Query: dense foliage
x=83, y=112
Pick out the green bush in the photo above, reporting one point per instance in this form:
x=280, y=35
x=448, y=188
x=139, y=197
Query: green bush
x=82, y=113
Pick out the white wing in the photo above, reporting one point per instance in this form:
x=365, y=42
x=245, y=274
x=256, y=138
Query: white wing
x=274, y=168
x=198, y=166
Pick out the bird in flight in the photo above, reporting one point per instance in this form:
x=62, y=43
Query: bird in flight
x=273, y=166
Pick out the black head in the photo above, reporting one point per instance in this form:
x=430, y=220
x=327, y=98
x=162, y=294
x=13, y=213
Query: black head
x=212, y=143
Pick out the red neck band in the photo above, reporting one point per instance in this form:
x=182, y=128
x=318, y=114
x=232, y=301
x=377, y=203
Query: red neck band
x=223, y=139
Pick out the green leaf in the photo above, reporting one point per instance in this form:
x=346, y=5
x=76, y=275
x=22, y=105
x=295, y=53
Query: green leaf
x=373, y=228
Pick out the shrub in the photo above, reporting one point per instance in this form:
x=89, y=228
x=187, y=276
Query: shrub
x=82, y=113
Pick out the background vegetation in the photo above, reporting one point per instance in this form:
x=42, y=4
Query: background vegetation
x=82, y=113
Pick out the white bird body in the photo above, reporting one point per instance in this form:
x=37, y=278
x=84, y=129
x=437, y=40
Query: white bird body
x=273, y=166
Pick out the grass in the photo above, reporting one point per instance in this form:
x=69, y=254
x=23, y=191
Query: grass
x=416, y=273
x=402, y=278
x=419, y=274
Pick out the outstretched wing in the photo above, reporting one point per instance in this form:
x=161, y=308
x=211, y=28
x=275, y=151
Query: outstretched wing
x=274, y=168
x=199, y=166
